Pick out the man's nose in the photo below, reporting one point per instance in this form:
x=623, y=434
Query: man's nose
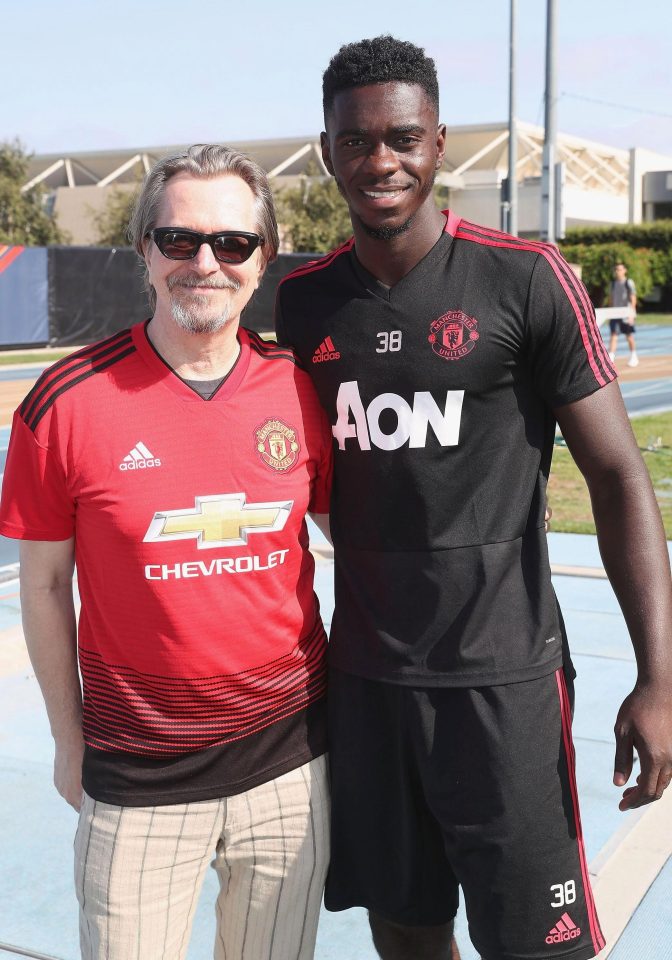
x=382, y=159
x=205, y=261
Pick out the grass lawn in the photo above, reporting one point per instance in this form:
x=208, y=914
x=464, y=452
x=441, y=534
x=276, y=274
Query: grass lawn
x=567, y=491
x=654, y=319
x=9, y=357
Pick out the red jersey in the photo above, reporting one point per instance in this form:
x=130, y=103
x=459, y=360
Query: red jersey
x=199, y=624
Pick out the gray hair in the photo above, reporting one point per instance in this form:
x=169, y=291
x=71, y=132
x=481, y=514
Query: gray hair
x=204, y=161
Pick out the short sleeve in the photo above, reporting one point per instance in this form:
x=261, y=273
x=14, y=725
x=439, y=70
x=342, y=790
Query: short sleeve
x=567, y=355
x=35, y=503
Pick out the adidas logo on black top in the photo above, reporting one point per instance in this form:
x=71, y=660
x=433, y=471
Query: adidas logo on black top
x=140, y=458
x=326, y=351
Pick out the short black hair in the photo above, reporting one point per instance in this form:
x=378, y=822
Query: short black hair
x=381, y=60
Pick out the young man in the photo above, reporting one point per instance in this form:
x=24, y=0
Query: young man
x=174, y=463
x=450, y=350
x=623, y=294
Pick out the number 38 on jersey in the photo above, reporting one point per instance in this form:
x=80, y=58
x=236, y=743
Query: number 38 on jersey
x=389, y=341
x=413, y=419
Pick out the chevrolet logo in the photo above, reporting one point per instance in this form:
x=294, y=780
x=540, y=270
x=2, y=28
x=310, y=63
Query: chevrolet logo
x=224, y=520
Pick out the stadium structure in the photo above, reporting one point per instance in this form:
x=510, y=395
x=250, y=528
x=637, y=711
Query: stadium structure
x=601, y=184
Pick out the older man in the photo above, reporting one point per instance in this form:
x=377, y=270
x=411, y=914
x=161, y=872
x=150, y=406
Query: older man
x=174, y=464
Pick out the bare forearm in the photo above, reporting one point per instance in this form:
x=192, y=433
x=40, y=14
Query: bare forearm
x=629, y=527
x=46, y=572
x=321, y=521
x=51, y=637
x=634, y=550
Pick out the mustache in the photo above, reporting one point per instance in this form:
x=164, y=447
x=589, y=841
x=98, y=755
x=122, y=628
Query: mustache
x=195, y=280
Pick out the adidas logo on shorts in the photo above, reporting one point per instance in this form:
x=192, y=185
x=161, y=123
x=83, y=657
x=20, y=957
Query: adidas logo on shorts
x=140, y=458
x=564, y=930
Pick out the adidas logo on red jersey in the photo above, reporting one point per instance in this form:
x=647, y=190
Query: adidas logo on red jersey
x=564, y=930
x=140, y=458
x=326, y=351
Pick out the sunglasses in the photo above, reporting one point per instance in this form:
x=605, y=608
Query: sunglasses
x=228, y=246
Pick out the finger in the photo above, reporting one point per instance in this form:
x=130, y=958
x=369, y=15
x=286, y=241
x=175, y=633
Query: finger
x=629, y=800
x=623, y=759
x=629, y=797
x=646, y=790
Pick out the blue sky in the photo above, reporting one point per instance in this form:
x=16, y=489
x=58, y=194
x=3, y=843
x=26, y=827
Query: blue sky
x=87, y=75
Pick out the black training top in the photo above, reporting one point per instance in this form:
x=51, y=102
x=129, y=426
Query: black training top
x=440, y=391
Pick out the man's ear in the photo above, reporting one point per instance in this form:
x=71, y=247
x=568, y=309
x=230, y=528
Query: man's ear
x=326, y=153
x=440, y=145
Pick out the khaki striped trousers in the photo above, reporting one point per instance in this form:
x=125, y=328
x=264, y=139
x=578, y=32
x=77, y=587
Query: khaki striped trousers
x=139, y=871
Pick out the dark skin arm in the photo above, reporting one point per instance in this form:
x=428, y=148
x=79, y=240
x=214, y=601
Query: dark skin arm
x=634, y=551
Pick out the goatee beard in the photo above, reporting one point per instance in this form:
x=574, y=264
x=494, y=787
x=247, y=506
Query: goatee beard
x=190, y=316
x=192, y=321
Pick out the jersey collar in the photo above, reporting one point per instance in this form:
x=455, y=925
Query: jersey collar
x=172, y=381
x=412, y=282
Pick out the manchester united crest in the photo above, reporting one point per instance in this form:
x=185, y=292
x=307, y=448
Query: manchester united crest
x=453, y=335
x=277, y=444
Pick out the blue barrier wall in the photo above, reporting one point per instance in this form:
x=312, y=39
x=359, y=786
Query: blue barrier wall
x=24, y=296
x=70, y=296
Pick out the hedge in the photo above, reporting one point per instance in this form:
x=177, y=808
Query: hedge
x=646, y=250
x=653, y=236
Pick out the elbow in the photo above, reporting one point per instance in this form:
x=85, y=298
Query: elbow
x=615, y=488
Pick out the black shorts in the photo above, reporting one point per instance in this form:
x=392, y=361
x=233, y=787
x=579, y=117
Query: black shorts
x=619, y=325
x=435, y=788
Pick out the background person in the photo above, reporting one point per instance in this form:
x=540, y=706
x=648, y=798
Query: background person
x=174, y=464
x=623, y=293
x=456, y=349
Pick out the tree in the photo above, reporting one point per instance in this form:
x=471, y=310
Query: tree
x=23, y=216
x=442, y=196
x=314, y=214
x=112, y=221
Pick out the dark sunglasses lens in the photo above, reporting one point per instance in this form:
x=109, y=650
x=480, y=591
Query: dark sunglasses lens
x=178, y=246
x=234, y=249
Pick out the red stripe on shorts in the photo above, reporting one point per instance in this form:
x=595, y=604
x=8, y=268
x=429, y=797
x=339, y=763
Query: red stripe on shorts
x=565, y=712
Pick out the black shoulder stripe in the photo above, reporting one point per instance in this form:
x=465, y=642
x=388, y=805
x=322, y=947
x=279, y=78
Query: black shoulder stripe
x=90, y=351
x=261, y=341
x=71, y=383
x=280, y=354
x=269, y=348
x=62, y=370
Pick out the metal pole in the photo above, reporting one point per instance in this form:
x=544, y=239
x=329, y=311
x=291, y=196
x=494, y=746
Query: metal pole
x=513, y=136
x=550, y=132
